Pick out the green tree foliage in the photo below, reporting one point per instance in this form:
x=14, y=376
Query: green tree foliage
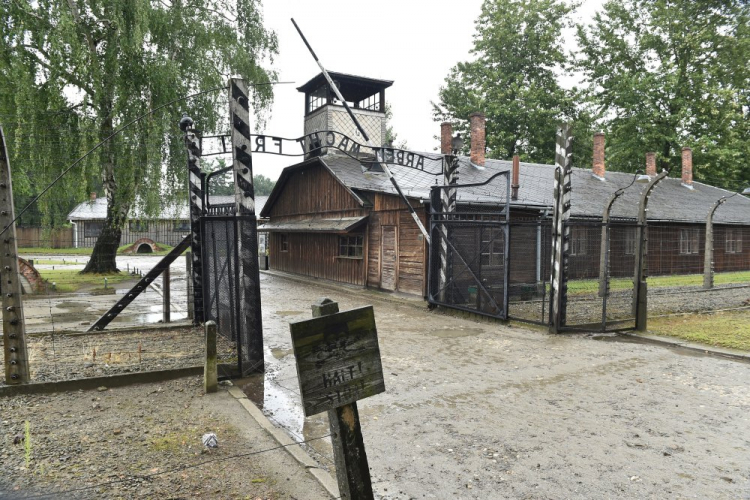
x=391, y=137
x=518, y=51
x=223, y=185
x=74, y=71
x=263, y=185
x=664, y=74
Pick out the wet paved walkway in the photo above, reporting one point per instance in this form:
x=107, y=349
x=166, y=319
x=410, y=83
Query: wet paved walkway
x=481, y=410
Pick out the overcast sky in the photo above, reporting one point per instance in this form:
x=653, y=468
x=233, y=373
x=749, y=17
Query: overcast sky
x=413, y=43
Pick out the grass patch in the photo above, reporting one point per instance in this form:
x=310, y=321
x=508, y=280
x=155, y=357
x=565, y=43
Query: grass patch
x=60, y=262
x=582, y=287
x=53, y=251
x=23, y=251
x=172, y=442
x=72, y=280
x=729, y=329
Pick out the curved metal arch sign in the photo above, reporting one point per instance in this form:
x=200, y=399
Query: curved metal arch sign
x=316, y=141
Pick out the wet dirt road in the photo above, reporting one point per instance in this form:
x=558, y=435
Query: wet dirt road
x=76, y=311
x=476, y=410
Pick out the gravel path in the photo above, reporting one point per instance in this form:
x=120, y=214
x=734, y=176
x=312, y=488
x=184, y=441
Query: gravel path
x=478, y=410
x=143, y=441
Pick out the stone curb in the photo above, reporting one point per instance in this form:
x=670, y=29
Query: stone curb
x=86, y=384
x=670, y=342
x=299, y=454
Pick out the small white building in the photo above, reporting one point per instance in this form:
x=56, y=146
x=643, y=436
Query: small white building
x=168, y=227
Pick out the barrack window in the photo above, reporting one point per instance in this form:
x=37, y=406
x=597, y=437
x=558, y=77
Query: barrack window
x=351, y=246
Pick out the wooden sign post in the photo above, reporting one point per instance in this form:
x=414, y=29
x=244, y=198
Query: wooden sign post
x=338, y=363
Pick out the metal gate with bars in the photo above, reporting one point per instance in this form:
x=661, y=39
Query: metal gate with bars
x=469, y=251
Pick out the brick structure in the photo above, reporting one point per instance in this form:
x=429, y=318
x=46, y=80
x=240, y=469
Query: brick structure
x=687, y=167
x=651, y=164
x=478, y=144
x=598, y=167
x=31, y=276
x=446, y=134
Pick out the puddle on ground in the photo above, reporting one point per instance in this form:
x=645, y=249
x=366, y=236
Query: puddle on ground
x=683, y=351
x=453, y=333
x=71, y=304
x=289, y=313
x=283, y=407
x=279, y=353
x=252, y=386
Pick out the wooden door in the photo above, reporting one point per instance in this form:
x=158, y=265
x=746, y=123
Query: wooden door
x=389, y=258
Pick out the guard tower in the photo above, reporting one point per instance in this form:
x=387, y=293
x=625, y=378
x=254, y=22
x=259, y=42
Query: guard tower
x=365, y=97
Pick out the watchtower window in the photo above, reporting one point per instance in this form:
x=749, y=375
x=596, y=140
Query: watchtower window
x=372, y=103
x=317, y=98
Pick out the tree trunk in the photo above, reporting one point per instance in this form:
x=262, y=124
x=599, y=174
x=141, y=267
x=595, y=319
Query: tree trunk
x=103, y=257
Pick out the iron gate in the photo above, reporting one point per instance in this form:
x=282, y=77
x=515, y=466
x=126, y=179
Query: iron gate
x=220, y=278
x=469, y=254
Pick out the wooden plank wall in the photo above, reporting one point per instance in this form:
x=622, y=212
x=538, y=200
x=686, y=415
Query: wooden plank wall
x=373, y=250
x=411, y=255
x=313, y=192
x=321, y=260
x=38, y=237
x=411, y=267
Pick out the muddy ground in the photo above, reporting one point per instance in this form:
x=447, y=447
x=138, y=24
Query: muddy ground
x=143, y=441
x=485, y=411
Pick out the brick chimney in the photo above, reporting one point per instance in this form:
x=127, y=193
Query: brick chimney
x=446, y=134
x=93, y=196
x=515, y=174
x=477, y=123
x=687, y=167
x=651, y=164
x=598, y=169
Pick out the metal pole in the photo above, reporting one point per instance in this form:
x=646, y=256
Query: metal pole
x=708, y=262
x=14, y=328
x=640, y=295
x=165, y=285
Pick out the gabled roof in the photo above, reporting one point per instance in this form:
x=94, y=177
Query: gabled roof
x=670, y=201
x=97, y=209
x=291, y=170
